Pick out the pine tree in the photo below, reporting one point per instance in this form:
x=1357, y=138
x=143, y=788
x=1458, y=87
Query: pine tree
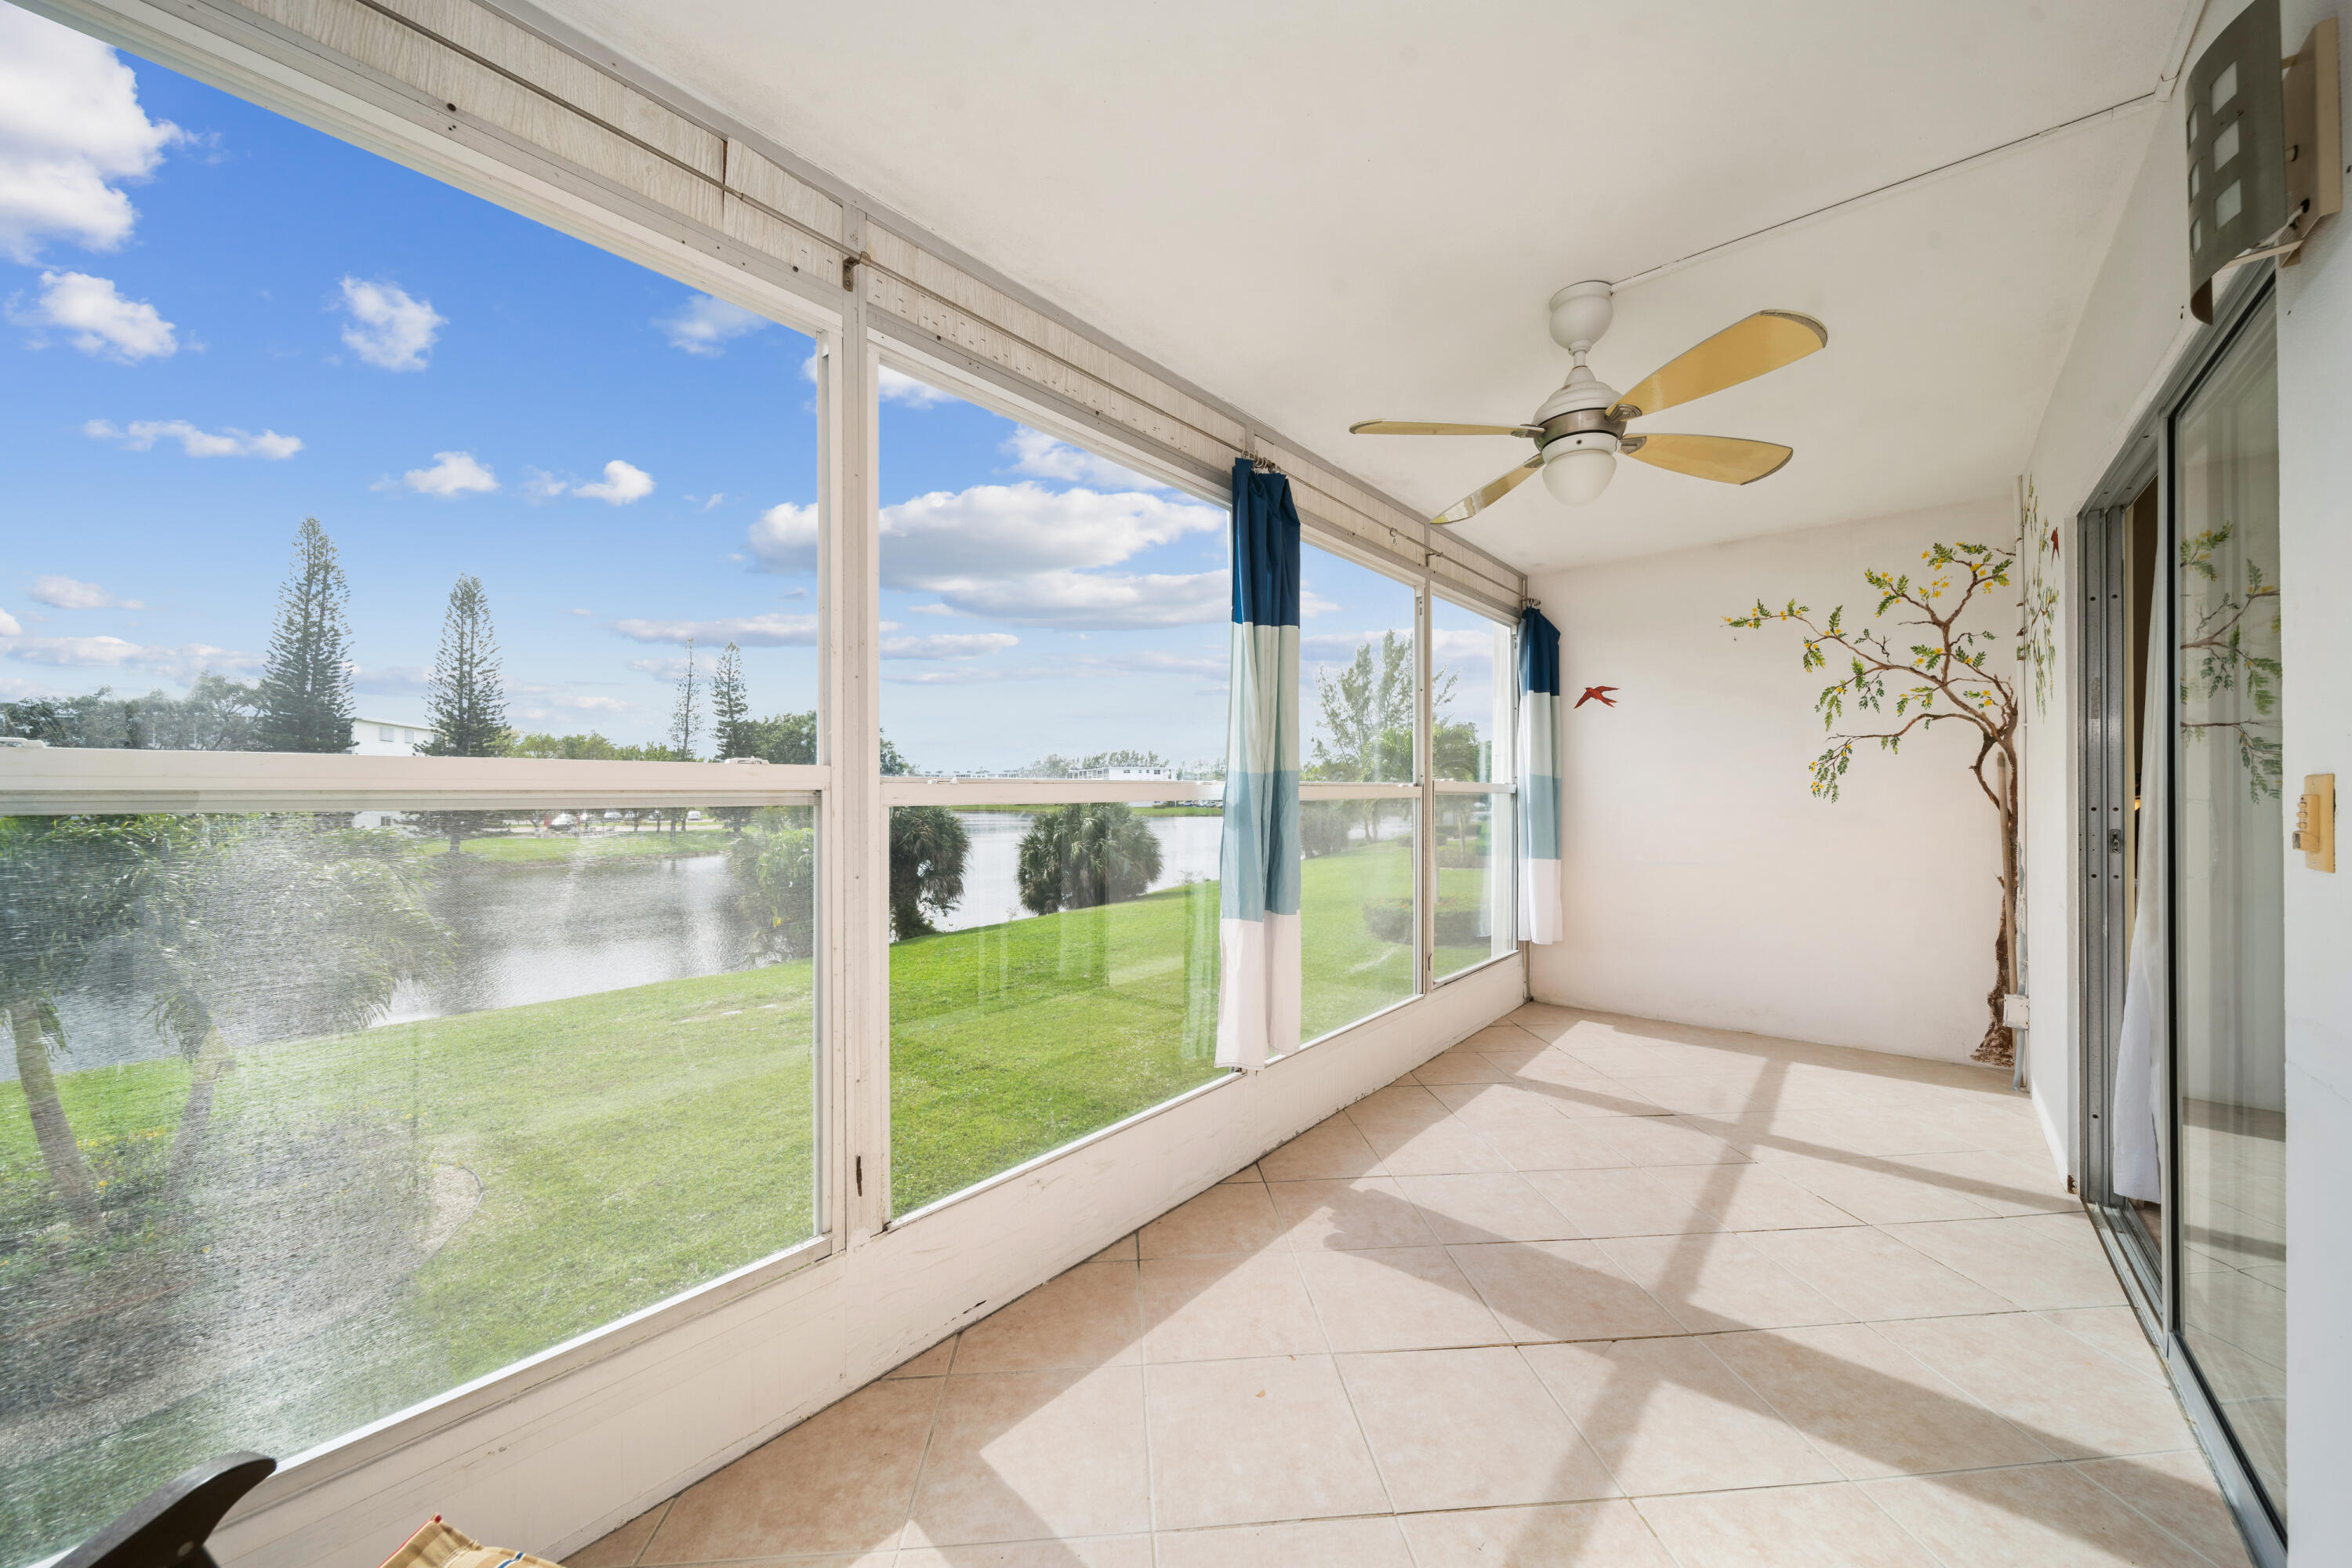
x=730, y=706
x=306, y=682
x=464, y=698
x=686, y=718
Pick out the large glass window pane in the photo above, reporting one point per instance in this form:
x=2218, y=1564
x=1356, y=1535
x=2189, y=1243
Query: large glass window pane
x=1358, y=925
x=1477, y=910
x=312, y=1117
x=1055, y=972
x=1357, y=667
x=2230, y=834
x=1471, y=681
x=1046, y=613
x=308, y=451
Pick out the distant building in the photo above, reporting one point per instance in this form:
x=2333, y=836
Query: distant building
x=1154, y=774
x=387, y=738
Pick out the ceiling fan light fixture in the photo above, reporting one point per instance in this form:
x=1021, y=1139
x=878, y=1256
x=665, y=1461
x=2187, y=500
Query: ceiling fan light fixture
x=1577, y=469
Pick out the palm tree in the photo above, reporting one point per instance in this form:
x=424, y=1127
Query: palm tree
x=1081, y=856
x=67, y=884
x=929, y=847
x=274, y=928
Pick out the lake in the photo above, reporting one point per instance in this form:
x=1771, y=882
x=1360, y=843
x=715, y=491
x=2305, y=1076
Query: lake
x=539, y=933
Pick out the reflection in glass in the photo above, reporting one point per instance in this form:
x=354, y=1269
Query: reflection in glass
x=1358, y=928
x=1478, y=910
x=2228, y=841
x=312, y=1117
x=1064, y=978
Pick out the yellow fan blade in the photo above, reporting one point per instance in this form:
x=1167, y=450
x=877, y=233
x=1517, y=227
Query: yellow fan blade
x=1726, y=460
x=1741, y=351
x=1421, y=427
x=1487, y=495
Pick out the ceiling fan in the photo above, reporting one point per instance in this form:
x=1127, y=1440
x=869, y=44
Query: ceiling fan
x=1579, y=431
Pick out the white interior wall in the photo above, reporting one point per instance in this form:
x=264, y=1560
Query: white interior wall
x=2131, y=334
x=2133, y=329
x=2315, y=562
x=1704, y=883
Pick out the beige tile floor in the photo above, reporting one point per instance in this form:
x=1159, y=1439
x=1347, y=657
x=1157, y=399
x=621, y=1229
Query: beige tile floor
x=1583, y=1289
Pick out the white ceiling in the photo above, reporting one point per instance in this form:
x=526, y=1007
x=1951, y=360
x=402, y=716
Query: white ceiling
x=1324, y=211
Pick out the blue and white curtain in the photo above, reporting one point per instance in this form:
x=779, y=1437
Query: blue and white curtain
x=1257, y=927
x=1538, y=760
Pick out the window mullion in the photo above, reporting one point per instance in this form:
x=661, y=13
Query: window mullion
x=858, y=1169
x=1424, y=753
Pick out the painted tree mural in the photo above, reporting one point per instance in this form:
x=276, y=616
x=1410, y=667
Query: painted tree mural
x=1926, y=665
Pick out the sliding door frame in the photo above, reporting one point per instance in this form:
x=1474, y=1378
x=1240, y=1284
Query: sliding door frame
x=2102, y=648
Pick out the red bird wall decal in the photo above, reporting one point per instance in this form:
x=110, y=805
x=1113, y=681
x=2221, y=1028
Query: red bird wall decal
x=1601, y=693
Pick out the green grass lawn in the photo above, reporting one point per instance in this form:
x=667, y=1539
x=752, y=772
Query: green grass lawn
x=629, y=1145
x=1008, y=1041
x=531, y=849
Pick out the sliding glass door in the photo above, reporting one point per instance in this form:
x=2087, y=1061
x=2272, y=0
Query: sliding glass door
x=2184, y=1123
x=2228, y=838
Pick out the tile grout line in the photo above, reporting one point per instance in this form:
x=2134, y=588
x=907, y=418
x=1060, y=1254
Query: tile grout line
x=2161, y=1528
x=1143, y=1400
x=1332, y=1354
x=923, y=1461
x=662, y=1513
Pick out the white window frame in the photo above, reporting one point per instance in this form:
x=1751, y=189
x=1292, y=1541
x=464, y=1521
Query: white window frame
x=817, y=1285
x=1504, y=752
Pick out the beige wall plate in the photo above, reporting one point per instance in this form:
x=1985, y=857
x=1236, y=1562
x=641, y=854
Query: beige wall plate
x=2315, y=822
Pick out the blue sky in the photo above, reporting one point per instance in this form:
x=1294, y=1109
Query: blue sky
x=218, y=323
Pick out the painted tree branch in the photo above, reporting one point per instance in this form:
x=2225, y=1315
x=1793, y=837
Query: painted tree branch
x=1940, y=674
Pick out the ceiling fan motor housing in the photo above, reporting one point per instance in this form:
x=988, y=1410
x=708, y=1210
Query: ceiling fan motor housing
x=1576, y=416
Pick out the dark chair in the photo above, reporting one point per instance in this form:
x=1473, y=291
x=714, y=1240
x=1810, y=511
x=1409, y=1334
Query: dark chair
x=168, y=1527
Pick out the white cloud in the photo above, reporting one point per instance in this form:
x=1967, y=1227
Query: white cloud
x=751, y=631
x=894, y=386
x=668, y=669
x=109, y=652
x=784, y=538
x=1092, y=601
x=541, y=485
x=931, y=610
x=97, y=320
x=1025, y=554
x=1461, y=646
x=388, y=327
x=1213, y=669
x=227, y=442
x=1034, y=452
x=948, y=645
x=623, y=483
x=552, y=698
x=703, y=324
x=9, y=627
x=1217, y=666
x=452, y=474
x=68, y=593
x=394, y=680
x=70, y=125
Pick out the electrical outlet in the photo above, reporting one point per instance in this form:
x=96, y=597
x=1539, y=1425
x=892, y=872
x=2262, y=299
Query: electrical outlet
x=2315, y=822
